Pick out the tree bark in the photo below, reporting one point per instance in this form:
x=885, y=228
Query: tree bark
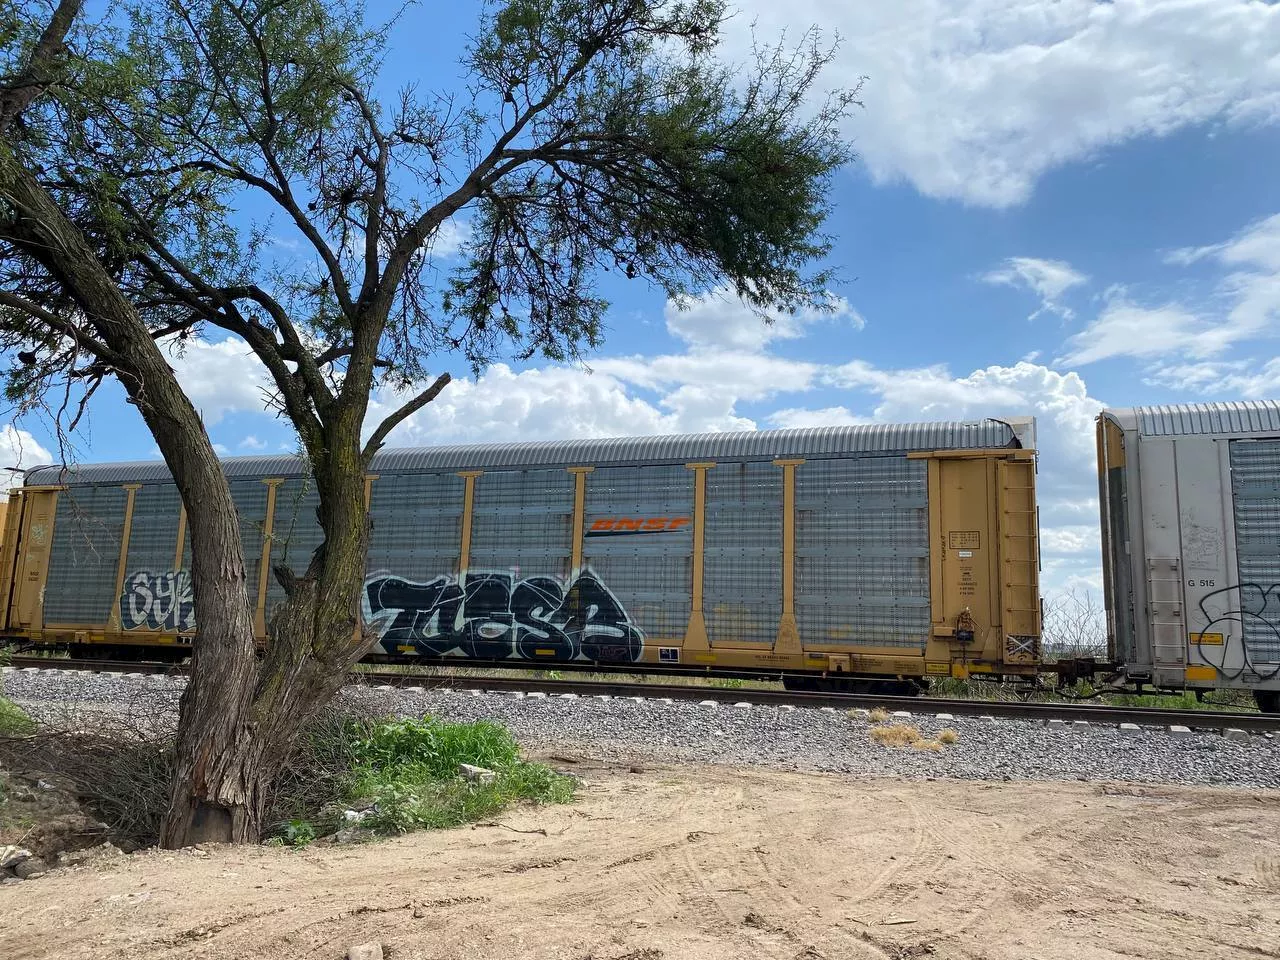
x=216, y=793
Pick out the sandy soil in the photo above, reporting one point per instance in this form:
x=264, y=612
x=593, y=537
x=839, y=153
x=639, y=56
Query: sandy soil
x=716, y=863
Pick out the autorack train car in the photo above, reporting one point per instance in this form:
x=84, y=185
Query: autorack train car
x=843, y=557
x=1190, y=500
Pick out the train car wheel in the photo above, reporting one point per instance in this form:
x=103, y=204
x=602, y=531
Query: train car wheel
x=1268, y=700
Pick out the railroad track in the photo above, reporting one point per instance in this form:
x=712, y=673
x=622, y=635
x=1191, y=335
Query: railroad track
x=921, y=706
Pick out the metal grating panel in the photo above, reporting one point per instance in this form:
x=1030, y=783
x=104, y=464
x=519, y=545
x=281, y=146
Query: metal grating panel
x=84, y=556
x=153, y=539
x=522, y=523
x=862, y=552
x=649, y=571
x=295, y=534
x=417, y=528
x=742, y=572
x=807, y=442
x=1255, y=483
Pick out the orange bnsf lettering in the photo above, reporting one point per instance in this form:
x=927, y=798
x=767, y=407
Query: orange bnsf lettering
x=602, y=525
x=628, y=524
x=678, y=522
x=656, y=523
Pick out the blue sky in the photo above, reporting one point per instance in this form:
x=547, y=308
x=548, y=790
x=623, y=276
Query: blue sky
x=1058, y=204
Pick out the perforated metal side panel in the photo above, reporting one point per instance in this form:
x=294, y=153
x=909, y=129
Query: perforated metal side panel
x=416, y=525
x=295, y=533
x=522, y=523
x=650, y=573
x=862, y=552
x=84, y=555
x=153, y=538
x=742, y=572
x=1255, y=487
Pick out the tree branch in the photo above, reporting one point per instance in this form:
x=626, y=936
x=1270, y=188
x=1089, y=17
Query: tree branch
x=58, y=325
x=21, y=92
x=395, y=419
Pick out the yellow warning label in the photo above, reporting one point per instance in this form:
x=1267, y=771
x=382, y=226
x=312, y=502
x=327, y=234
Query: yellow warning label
x=1201, y=673
x=545, y=653
x=940, y=668
x=705, y=657
x=1215, y=639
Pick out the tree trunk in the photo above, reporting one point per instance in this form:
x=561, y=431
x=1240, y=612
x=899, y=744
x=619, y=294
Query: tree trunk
x=238, y=720
x=216, y=795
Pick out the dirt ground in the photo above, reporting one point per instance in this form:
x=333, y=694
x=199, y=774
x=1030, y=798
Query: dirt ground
x=698, y=863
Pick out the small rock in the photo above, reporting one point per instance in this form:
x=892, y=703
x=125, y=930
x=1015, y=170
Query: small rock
x=476, y=775
x=355, y=816
x=1057, y=724
x=944, y=716
x=1235, y=733
x=902, y=714
x=742, y=705
x=11, y=856
x=708, y=703
x=9, y=880
x=365, y=951
x=45, y=785
x=30, y=869
x=637, y=769
x=1130, y=730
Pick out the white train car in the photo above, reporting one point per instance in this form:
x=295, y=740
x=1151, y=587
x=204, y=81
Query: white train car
x=1190, y=509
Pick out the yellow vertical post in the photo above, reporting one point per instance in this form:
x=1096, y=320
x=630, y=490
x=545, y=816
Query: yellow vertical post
x=468, y=503
x=579, y=518
x=113, y=619
x=264, y=568
x=368, y=489
x=695, y=635
x=182, y=536
x=788, y=641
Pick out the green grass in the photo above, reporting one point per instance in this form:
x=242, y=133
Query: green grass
x=13, y=721
x=406, y=774
x=409, y=769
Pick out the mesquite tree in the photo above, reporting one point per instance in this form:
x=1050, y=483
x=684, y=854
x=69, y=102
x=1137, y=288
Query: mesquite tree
x=180, y=141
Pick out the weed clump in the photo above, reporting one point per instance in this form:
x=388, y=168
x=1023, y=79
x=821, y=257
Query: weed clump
x=878, y=715
x=407, y=775
x=14, y=721
x=895, y=735
x=901, y=735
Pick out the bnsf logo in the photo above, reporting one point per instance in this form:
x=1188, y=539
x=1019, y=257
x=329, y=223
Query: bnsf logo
x=613, y=526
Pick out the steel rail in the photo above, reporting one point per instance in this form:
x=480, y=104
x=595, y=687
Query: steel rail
x=620, y=689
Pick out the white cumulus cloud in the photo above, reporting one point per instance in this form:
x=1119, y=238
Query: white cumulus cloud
x=220, y=378
x=975, y=99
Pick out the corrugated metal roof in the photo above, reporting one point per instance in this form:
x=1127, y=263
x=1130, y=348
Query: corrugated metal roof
x=812, y=442
x=1239, y=417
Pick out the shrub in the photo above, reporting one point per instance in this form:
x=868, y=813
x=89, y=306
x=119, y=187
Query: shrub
x=13, y=720
x=438, y=747
x=409, y=770
x=948, y=737
x=878, y=715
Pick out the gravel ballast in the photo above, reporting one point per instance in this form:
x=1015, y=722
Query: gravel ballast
x=627, y=729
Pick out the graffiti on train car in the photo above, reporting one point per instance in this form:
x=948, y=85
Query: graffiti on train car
x=496, y=616
x=158, y=601
x=1253, y=605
